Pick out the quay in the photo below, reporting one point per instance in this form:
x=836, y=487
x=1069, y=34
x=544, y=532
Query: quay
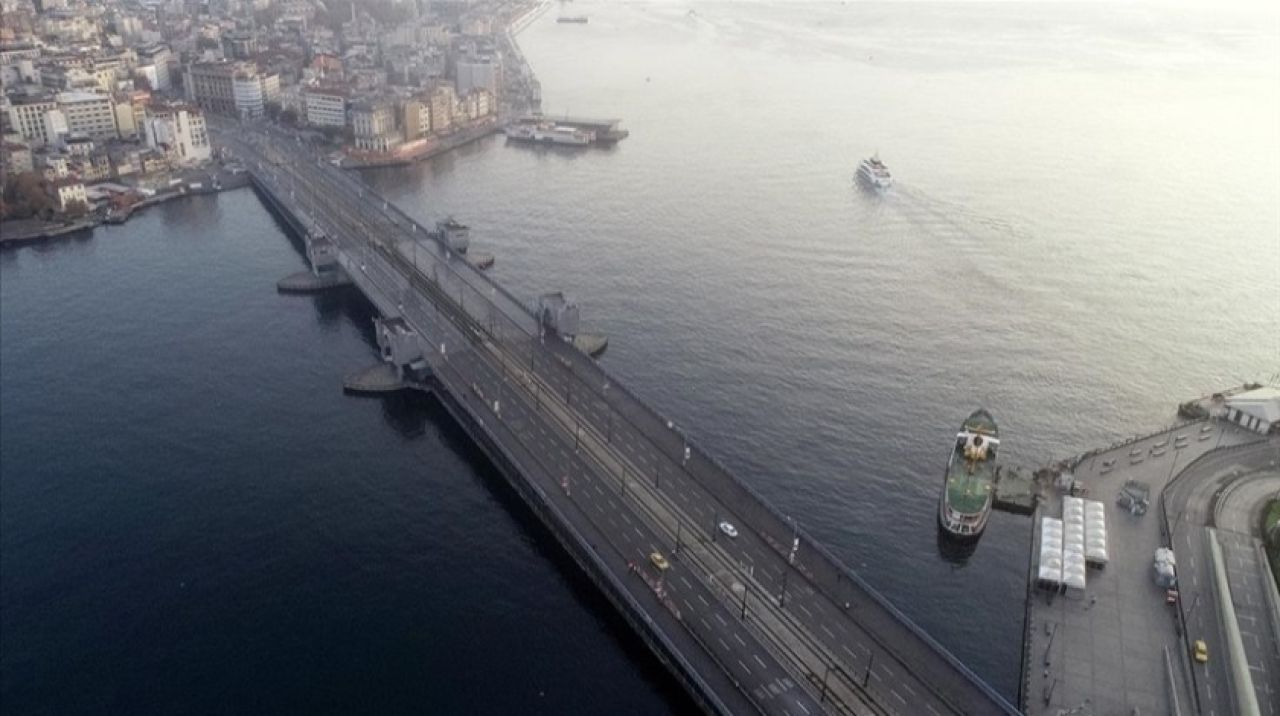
x=766, y=621
x=1119, y=641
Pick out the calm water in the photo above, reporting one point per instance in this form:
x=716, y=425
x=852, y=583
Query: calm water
x=1084, y=231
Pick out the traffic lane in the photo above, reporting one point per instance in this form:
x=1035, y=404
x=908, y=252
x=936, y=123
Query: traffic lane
x=1203, y=622
x=624, y=576
x=826, y=636
x=818, y=612
x=638, y=540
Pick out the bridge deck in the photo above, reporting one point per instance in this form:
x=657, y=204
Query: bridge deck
x=745, y=619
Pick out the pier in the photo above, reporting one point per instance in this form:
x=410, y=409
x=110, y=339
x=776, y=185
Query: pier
x=753, y=617
x=1119, y=641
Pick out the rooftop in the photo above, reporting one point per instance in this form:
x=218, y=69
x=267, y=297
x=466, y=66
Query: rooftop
x=1263, y=403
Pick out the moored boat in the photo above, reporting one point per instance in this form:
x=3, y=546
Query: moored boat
x=969, y=486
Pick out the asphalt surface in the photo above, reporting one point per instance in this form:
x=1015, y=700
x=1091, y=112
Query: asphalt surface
x=782, y=620
x=1222, y=489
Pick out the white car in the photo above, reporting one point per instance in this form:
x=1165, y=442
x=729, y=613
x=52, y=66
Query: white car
x=728, y=529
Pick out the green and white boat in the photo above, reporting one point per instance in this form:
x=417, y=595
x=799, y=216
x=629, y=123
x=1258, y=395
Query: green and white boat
x=965, y=504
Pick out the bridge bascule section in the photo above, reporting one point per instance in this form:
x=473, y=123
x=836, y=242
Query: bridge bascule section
x=763, y=621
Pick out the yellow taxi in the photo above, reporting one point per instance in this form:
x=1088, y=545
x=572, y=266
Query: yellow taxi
x=659, y=561
x=1200, y=651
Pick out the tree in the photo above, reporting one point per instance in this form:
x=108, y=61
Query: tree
x=25, y=195
x=76, y=209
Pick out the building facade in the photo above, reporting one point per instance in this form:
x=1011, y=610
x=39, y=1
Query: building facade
x=26, y=117
x=179, y=129
x=326, y=107
x=90, y=114
x=374, y=126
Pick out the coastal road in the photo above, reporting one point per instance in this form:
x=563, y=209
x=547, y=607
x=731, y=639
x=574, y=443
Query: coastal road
x=1225, y=485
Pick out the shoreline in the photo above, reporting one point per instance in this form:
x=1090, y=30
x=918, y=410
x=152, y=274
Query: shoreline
x=227, y=182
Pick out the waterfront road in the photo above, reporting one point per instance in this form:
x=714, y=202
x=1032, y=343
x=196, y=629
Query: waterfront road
x=775, y=612
x=1222, y=489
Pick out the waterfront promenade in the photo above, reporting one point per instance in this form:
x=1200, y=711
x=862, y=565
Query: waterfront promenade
x=767, y=619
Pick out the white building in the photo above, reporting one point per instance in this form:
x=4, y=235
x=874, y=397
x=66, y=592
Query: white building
x=26, y=117
x=180, y=128
x=1258, y=409
x=67, y=191
x=326, y=107
x=90, y=114
x=153, y=62
x=246, y=90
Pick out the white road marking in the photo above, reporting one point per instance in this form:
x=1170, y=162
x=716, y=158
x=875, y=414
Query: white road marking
x=740, y=641
x=759, y=661
x=744, y=666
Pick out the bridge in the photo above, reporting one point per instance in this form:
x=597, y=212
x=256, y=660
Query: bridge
x=767, y=621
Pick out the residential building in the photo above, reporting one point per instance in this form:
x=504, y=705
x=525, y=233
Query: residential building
x=374, y=126
x=415, y=119
x=26, y=117
x=90, y=114
x=326, y=107
x=482, y=72
x=68, y=191
x=443, y=99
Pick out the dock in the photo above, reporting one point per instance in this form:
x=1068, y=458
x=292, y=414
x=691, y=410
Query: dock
x=1119, y=644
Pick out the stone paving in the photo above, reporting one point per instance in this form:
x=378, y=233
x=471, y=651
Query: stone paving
x=1113, y=648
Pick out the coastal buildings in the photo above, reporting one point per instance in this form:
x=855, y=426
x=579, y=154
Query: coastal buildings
x=234, y=89
x=89, y=113
x=179, y=128
x=68, y=191
x=326, y=107
x=374, y=126
x=27, y=117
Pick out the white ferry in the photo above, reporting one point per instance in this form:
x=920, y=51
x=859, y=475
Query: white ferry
x=873, y=174
x=550, y=134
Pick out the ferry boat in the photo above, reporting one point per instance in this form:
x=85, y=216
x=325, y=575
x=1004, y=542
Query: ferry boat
x=969, y=487
x=550, y=134
x=873, y=174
